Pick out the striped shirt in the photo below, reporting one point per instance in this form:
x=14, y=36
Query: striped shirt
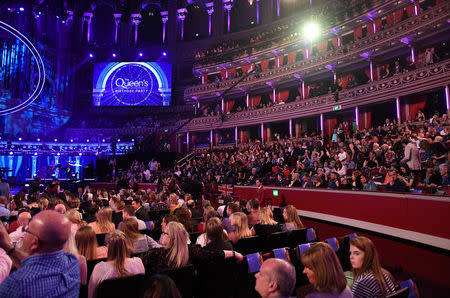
x=366, y=286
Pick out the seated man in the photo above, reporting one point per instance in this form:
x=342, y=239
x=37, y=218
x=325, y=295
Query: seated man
x=395, y=184
x=129, y=212
x=44, y=269
x=276, y=278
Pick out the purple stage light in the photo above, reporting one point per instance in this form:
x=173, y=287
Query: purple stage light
x=164, y=54
x=118, y=140
x=80, y=154
x=56, y=140
x=58, y=154
x=11, y=153
x=114, y=55
x=20, y=139
x=21, y=8
x=140, y=54
x=35, y=153
x=71, y=141
x=91, y=55
x=87, y=140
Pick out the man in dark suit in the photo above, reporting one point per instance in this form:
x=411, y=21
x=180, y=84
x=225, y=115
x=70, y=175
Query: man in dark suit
x=141, y=213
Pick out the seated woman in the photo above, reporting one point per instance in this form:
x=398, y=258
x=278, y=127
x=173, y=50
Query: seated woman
x=176, y=252
x=103, y=224
x=137, y=242
x=324, y=272
x=71, y=247
x=291, y=219
x=184, y=217
x=161, y=286
x=87, y=246
x=370, y=279
x=240, y=224
x=267, y=225
x=216, y=236
x=118, y=263
x=202, y=239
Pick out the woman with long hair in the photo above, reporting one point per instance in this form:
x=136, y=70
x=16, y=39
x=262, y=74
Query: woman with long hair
x=137, y=242
x=176, y=252
x=291, y=219
x=324, y=272
x=184, y=216
x=104, y=223
x=370, y=279
x=118, y=264
x=267, y=225
x=240, y=224
x=87, y=246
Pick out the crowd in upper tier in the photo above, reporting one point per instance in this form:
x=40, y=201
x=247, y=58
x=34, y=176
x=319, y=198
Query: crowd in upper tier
x=392, y=157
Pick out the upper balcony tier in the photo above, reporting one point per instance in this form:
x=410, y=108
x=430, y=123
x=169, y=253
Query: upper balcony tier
x=431, y=22
x=433, y=76
x=284, y=34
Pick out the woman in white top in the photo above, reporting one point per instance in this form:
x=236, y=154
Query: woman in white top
x=117, y=265
x=137, y=242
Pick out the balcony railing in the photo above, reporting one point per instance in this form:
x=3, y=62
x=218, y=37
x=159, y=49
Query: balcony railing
x=427, y=78
x=380, y=40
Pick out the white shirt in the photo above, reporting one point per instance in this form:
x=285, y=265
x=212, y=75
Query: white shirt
x=5, y=265
x=17, y=236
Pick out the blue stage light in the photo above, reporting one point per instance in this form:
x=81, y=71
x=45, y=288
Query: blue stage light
x=164, y=54
x=140, y=54
x=20, y=139
x=91, y=55
x=11, y=153
x=21, y=8
x=114, y=55
x=56, y=140
x=38, y=140
x=35, y=153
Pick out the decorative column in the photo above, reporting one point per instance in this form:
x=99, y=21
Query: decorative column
x=222, y=102
x=278, y=8
x=290, y=128
x=87, y=19
x=164, y=18
x=303, y=90
x=33, y=165
x=181, y=15
x=447, y=99
x=262, y=132
x=210, y=11
x=211, y=138
x=371, y=70
x=321, y=123
x=397, y=109
x=136, y=18
x=117, y=20
x=228, y=4
x=247, y=100
x=257, y=12
x=357, y=117
x=374, y=26
x=236, y=134
x=413, y=56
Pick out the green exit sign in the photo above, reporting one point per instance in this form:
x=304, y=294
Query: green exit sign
x=337, y=108
x=275, y=193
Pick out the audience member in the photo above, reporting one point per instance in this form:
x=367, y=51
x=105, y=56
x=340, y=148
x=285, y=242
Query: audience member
x=103, y=224
x=291, y=219
x=87, y=245
x=276, y=278
x=137, y=242
x=240, y=225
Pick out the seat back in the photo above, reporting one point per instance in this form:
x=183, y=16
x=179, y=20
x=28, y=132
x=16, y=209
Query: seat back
x=311, y=235
x=281, y=253
x=254, y=262
x=90, y=266
x=129, y=286
x=193, y=236
x=100, y=239
x=334, y=243
x=297, y=237
x=344, y=252
x=413, y=291
x=183, y=278
x=149, y=225
x=301, y=249
x=275, y=240
x=402, y=293
x=248, y=245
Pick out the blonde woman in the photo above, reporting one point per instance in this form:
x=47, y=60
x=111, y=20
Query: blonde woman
x=86, y=243
x=240, y=224
x=118, y=264
x=104, y=223
x=291, y=219
x=324, y=272
x=137, y=242
x=71, y=247
x=267, y=225
x=176, y=252
x=370, y=279
x=75, y=219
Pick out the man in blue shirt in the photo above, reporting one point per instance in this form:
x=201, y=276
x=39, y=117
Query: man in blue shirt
x=44, y=269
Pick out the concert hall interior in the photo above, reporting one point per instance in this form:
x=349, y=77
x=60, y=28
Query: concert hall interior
x=224, y=148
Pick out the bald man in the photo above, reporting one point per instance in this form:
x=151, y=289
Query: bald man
x=276, y=278
x=18, y=235
x=44, y=269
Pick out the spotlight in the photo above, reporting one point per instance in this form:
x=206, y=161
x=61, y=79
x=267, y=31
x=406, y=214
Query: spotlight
x=38, y=140
x=164, y=54
x=21, y=8
x=311, y=31
x=56, y=140
x=140, y=54
x=71, y=140
x=132, y=140
x=27, y=185
x=80, y=154
x=35, y=153
x=103, y=140
x=11, y=153
x=118, y=140
x=87, y=141
x=58, y=154
x=40, y=12
x=20, y=139
x=91, y=55
x=114, y=55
